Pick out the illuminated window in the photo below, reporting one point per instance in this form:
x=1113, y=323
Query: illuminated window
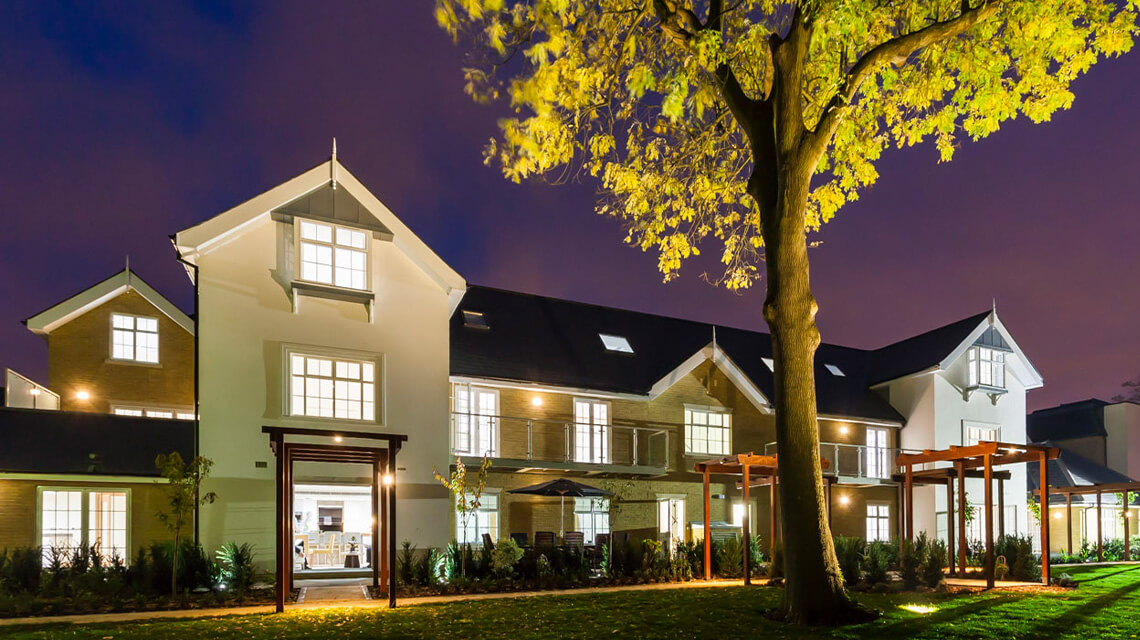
x=334, y=255
x=591, y=431
x=878, y=522
x=70, y=519
x=134, y=338
x=476, y=420
x=878, y=460
x=485, y=519
x=123, y=411
x=708, y=431
x=591, y=517
x=615, y=343
x=834, y=370
x=154, y=412
x=973, y=433
x=325, y=387
x=986, y=368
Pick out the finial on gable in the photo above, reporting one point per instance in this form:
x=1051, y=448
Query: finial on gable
x=332, y=165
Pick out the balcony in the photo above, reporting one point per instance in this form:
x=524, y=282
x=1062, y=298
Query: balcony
x=855, y=463
x=527, y=444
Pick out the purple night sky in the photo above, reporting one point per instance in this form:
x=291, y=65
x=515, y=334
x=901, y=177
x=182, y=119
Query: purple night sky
x=123, y=125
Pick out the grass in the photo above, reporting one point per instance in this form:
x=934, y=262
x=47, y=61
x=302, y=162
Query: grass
x=1107, y=605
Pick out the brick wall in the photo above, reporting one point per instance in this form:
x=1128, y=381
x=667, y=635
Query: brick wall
x=79, y=357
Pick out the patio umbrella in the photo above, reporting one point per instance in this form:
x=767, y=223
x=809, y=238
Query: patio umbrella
x=562, y=488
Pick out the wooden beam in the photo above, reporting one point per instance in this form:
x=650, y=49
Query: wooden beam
x=1127, y=542
x=1109, y=487
x=279, y=478
x=1099, y=534
x=1043, y=476
x=1069, y=521
x=909, y=502
x=289, y=518
x=708, y=531
x=961, y=517
x=374, y=552
x=747, y=533
x=1001, y=508
x=953, y=453
x=950, y=527
x=392, y=530
x=987, y=464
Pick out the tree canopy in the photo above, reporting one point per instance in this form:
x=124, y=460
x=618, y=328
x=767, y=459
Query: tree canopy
x=596, y=89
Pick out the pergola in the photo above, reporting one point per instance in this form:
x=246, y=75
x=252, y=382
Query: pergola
x=749, y=466
x=1122, y=488
x=986, y=455
x=382, y=460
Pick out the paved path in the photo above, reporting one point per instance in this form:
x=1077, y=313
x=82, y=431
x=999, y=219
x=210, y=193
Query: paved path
x=337, y=602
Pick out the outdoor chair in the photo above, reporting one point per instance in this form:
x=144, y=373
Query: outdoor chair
x=488, y=543
x=544, y=539
x=520, y=539
x=575, y=540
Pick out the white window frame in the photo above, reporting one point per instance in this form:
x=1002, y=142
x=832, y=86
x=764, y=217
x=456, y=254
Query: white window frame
x=485, y=519
x=878, y=516
x=85, y=517
x=593, y=437
x=671, y=518
x=974, y=432
x=592, y=517
x=985, y=367
x=877, y=450
x=337, y=252
x=692, y=444
x=134, y=332
x=475, y=420
x=341, y=397
x=167, y=413
x=616, y=343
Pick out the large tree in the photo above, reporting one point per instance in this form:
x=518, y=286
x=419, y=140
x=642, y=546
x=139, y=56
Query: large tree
x=704, y=118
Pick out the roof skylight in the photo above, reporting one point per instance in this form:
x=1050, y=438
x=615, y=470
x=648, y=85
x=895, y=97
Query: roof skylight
x=474, y=319
x=615, y=343
x=771, y=364
x=835, y=371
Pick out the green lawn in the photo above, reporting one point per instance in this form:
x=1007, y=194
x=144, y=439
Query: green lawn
x=1107, y=605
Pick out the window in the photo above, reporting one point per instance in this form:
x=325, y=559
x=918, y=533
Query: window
x=615, y=343
x=134, y=338
x=708, y=431
x=591, y=517
x=70, y=519
x=591, y=431
x=485, y=519
x=738, y=515
x=152, y=412
x=474, y=320
x=475, y=420
x=671, y=520
x=120, y=411
x=973, y=433
x=770, y=363
x=326, y=387
x=878, y=522
x=834, y=370
x=877, y=461
x=334, y=255
x=986, y=368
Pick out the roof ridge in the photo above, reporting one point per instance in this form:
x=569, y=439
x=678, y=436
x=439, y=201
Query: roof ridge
x=917, y=336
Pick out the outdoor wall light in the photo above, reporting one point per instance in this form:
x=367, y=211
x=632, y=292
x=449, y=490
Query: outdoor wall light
x=844, y=500
x=1057, y=515
x=388, y=479
x=338, y=439
x=843, y=430
x=82, y=395
x=536, y=401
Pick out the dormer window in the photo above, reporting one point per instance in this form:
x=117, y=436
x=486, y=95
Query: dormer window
x=475, y=320
x=834, y=370
x=334, y=255
x=615, y=343
x=986, y=368
x=134, y=338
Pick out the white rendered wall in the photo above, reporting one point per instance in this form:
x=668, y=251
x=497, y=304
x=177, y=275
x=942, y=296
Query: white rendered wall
x=1122, y=422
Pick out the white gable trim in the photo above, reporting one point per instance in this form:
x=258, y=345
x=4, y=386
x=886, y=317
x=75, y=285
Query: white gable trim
x=720, y=360
x=47, y=321
x=215, y=232
x=1022, y=367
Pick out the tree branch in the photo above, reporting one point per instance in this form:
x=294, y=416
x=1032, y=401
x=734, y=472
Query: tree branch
x=895, y=51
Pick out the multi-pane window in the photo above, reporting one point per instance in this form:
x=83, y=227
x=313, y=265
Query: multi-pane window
x=476, y=420
x=70, y=519
x=975, y=433
x=334, y=255
x=671, y=520
x=591, y=431
x=326, y=387
x=986, y=367
x=591, y=517
x=878, y=522
x=134, y=338
x=485, y=519
x=877, y=454
x=168, y=414
x=708, y=432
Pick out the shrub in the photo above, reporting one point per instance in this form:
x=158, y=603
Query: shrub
x=406, y=563
x=849, y=551
x=911, y=558
x=427, y=568
x=729, y=558
x=505, y=556
x=876, y=562
x=935, y=560
x=236, y=568
x=21, y=570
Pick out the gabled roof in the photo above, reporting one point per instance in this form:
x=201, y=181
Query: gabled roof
x=61, y=313
x=1071, y=470
x=313, y=193
x=1072, y=420
x=88, y=443
x=536, y=339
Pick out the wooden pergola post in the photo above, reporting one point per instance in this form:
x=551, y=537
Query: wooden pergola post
x=950, y=525
x=961, y=467
x=1127, y=542
x=279, y=448
x=374, y=552
x=289, y=519
x=391, y=525
x=1001, y=508
x=987, y=466
x=747, y=533
x=1043, y=475
x=1069, y=521
x=1099, y=533
x=708, y=531
x=901, y=525
x=910, y=502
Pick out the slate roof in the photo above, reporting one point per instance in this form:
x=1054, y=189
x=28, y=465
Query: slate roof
x=921, y=352
x=1072, y=420
x=1071, y=469
x=544, y=340
x=67, y=442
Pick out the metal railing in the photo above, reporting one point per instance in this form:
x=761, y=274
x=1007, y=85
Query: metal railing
x=538, y=440
x=855, y=460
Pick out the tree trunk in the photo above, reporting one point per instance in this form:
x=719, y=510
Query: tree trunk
x=174, y=566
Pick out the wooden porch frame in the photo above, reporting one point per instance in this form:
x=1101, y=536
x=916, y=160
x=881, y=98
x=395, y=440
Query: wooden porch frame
x=1123, y=488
